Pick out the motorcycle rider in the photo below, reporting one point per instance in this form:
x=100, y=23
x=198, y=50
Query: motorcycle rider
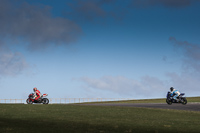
x=37, y=93
x=174, y=93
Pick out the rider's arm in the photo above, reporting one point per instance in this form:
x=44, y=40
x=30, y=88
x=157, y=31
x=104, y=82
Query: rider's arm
x=38, y=95
x=35, y=95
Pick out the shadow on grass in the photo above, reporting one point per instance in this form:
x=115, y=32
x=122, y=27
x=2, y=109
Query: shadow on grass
x=32, y=126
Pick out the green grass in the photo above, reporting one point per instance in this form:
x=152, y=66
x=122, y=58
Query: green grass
x=94, y=119
x=161, y=100
x=193, y=99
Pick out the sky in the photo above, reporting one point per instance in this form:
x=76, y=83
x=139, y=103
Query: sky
x=99, y=48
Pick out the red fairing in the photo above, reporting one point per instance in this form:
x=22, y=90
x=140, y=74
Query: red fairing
x=31, y=100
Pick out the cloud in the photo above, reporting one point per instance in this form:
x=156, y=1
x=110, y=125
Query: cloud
x=92, y=10
x=185, y=82
x=88, y=9
x=119, y=85
x=188, y=79
x=100, y=10
x=34, y=25
x=165, y=3
x=12, y=63
x=191, y=53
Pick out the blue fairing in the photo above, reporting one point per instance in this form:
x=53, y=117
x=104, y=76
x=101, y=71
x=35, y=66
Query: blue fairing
x=168, y=94
x=182, y=94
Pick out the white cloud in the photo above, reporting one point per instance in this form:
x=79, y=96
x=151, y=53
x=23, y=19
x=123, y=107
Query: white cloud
x=150, y=87
x=126, y=87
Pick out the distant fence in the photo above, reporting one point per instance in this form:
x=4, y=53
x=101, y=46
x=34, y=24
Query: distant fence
x=12, y=100
x=65, y=100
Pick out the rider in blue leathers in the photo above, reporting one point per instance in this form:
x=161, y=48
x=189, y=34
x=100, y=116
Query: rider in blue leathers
x=174, y=93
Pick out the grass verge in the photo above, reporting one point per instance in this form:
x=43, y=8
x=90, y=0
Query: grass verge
x=161, y=100
x=94, y=119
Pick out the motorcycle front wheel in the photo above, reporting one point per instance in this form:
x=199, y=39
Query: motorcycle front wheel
x=29, y=102
x=168, y=101
x=45, y=100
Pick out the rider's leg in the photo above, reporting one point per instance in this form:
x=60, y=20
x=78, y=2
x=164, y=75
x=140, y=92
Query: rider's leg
x=37, y=98
x=175, y=96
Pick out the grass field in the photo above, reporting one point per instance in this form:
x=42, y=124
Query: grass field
x=94, y=119
x=161, y=100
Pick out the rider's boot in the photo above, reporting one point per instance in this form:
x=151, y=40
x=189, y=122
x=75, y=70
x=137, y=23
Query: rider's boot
x=177, y=100
x=39, y=100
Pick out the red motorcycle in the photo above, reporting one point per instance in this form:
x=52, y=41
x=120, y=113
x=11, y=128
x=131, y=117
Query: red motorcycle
x=31, y=99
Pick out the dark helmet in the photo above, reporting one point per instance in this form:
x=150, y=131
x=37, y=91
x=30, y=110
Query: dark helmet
x=172, y=88
x=34, y=89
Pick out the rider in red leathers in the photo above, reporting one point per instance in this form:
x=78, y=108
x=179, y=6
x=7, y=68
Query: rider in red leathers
x=37, y=93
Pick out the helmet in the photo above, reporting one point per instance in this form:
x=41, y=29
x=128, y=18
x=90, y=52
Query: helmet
x=172, y=88
x=34, y=89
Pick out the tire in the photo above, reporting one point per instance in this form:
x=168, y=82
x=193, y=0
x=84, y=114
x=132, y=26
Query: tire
x=45, y=100
x=29, y=102
x=184, y=101
x=168, y=101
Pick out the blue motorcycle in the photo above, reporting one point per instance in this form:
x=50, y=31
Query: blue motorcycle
x=180, y=99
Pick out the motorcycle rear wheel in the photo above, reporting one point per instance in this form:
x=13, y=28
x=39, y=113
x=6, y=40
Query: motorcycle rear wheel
x=168, y=101
x=184, y=101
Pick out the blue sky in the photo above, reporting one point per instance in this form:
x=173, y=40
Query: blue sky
x=99, y=48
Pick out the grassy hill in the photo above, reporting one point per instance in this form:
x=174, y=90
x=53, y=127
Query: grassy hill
x=161, y=100
x=96, y=119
